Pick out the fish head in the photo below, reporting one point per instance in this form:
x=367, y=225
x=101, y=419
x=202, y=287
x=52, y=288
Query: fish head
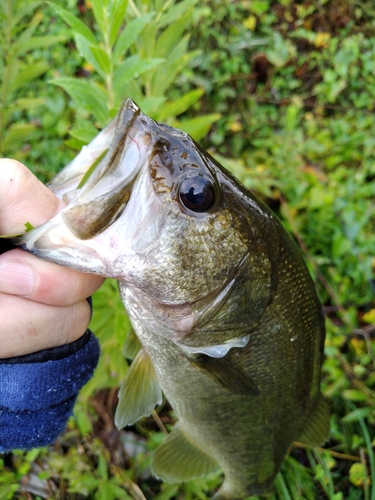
x=180, y=234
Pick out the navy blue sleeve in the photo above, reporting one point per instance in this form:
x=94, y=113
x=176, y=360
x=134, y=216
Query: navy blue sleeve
x=38, y=392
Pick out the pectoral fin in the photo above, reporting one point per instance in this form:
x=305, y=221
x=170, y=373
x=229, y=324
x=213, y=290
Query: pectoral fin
x=131, y=345
x=227, y=375
x=179, y=458
x=316, y=431
x=140, y=392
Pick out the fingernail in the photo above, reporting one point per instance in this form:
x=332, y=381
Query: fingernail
x=16, y=278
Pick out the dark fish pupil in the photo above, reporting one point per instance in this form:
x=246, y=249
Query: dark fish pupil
x=197, y=193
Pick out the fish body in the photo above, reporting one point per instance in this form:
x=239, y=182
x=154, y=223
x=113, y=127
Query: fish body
x=218, y=295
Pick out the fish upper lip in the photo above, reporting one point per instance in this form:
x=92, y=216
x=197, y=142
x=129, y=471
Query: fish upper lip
x=102, y=198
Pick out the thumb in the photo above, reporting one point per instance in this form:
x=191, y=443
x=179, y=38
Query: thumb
x=23, y=198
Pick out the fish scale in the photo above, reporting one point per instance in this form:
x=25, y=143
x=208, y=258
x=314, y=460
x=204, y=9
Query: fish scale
x=227, y=318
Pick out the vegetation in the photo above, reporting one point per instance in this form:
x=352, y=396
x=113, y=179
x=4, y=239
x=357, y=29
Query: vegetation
x=282, y=93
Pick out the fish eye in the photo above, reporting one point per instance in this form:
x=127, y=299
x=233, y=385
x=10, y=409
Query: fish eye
x=197, y=193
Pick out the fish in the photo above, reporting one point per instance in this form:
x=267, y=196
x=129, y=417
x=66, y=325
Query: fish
x=227, y=323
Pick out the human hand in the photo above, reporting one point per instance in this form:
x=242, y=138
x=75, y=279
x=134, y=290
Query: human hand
x=42, y=305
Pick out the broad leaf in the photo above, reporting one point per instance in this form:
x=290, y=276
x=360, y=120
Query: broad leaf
x=180, y=105
x=197, y=127
x=29, y=31
x=176, y=12
x=152, y=105
x=132, y=68
x=131, y=89
x=102, y=59
x=36, y=43
x=171, y=35
x=28, y=103
x=101, y=16
x=130, y=34
x=84, y=49
x=178, y=59
x=19, y=13
x=84, y=135
x=117, y=18
x=76, y=24
x=87, y=96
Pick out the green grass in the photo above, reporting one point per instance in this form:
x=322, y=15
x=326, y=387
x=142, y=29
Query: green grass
x=286, y=92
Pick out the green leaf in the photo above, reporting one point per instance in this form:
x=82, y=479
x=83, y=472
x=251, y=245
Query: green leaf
x=281, y=51
x=101, y=15
x=169, y=38
x=102, y=59
x=76, y=24
x=146, y=42
x=176, y=12
x=356, y=415
x=28, y=227
x=21, y=104
x=117, y=18
x=22, y=11
x=74, y=144
x=27, y=33
x=16, y=134
x=27, y=75
x=358, y=474
x=197, y=127
x=180, y=105
x=87, y=96
x=130, y=34
x=354, y=395
x=7, y=492
x=132, y=68
x=176, y=62
x=102, y=468
x=84, y=49
x=151, y=105
x=37, y=42
x=83, y=420
x=259, y=7
x=86, y=134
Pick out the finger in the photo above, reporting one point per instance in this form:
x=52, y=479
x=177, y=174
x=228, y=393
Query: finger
x=23, y=198
x=38, y=326
x=25, y=275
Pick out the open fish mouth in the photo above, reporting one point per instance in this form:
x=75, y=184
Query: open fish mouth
x=120, y=151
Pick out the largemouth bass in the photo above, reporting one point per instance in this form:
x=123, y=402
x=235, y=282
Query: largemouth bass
x=230, y=326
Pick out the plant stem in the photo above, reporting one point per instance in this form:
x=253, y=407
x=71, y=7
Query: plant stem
x=336, y=454
x=134, y=7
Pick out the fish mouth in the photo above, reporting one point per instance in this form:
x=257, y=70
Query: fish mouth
x=94, y=206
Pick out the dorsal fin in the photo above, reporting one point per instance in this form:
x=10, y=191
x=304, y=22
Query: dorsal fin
x=316, y=431
x=140, y=391
x=179, y=458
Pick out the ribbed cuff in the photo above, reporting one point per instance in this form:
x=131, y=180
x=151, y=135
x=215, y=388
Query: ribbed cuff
x=38, y=392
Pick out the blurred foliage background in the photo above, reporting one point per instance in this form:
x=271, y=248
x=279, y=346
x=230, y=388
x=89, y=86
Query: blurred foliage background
x=282, y=93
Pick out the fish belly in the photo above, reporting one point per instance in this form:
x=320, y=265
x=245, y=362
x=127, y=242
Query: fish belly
x=248, y=436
